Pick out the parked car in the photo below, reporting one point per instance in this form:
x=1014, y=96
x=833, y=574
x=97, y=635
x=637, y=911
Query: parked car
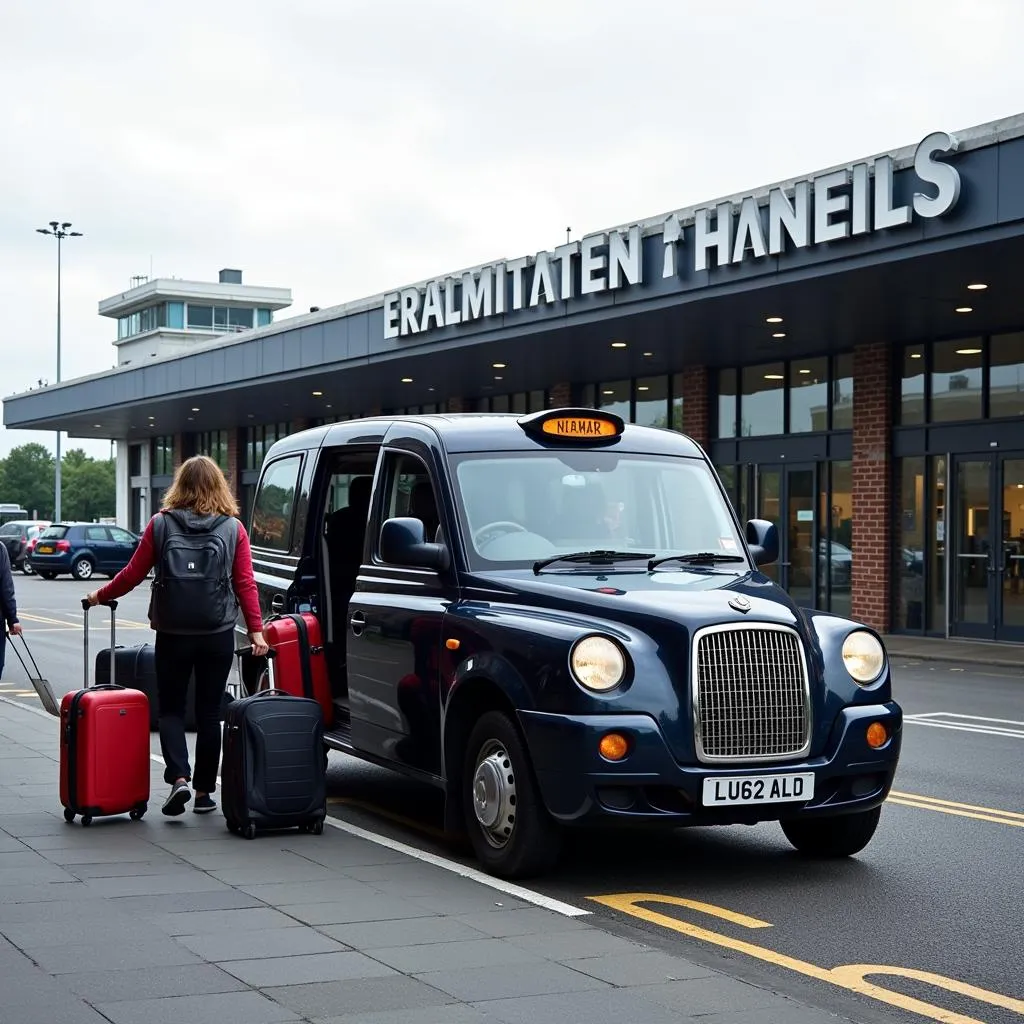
x=19, y=537
x=82, y=550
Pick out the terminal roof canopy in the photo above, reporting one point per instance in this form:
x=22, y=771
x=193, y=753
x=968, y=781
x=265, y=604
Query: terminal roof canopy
x=883, y=249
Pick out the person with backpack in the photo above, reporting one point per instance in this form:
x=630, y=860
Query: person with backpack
x=200, y=552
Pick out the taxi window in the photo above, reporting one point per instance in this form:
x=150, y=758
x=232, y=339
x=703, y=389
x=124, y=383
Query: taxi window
x=274, y=505
x=410, y=493
x=521, y=507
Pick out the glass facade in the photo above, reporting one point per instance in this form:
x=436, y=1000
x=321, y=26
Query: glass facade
x=214, y=444
x=258, y=441
x=162, y=456
x=797, y=396
x=195, y=316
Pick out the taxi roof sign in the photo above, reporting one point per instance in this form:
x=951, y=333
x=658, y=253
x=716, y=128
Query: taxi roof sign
x=577, y=425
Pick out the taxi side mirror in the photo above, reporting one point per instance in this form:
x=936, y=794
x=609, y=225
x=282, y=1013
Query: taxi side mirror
x=763, y=541
x=402, y=542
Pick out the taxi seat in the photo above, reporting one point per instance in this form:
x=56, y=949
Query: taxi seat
x=423, y=507
x=345, y=533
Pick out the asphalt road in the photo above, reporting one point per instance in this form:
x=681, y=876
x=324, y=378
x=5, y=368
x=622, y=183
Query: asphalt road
x=939, y=890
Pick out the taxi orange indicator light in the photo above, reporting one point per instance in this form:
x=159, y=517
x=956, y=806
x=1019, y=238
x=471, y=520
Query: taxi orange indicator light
x=580, y=426
x=452, y=644
x=613, y=746
x=878, y=735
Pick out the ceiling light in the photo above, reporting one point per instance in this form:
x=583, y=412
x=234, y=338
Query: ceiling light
x=977, y=287
x=648, y=354
x=773, y=319
x=915, y=355
x=250, y=416
x=964, y=309
x=329, y=406
x=805, y=371
x=968, y=351
x=779, y=334
x=642, y=387
x=195, y=408
x=499, y=366
x=98, y=426
x=774, y=376
x=317, y=394
x=498, y=378
x=191, y=418
x=607, y=392
x=407, y=380
x=618, y=344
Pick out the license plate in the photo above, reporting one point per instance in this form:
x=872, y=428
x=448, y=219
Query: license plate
x=44, y=550
x=758, y=789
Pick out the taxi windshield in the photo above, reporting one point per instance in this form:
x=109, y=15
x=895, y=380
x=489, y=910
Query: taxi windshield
x=520, y=507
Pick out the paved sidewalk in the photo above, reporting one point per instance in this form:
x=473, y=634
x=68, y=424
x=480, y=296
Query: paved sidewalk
x=977, y=653
x=175, y=921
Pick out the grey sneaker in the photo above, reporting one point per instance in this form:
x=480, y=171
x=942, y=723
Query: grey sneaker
x=176, y=800
x=204, y=804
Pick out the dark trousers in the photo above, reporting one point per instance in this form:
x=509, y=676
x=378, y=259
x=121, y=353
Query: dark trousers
x=3, y=649
x=210, y=656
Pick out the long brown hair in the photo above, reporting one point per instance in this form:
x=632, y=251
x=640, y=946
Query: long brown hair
x=199, y=485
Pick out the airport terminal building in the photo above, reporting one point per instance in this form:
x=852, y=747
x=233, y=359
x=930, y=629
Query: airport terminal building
x=848, y=346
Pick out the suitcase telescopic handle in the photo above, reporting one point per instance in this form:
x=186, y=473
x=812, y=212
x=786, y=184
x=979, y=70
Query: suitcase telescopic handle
x=112, y=605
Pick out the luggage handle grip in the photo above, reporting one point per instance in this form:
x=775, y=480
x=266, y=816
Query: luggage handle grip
x=271, y=653
x=112, y=605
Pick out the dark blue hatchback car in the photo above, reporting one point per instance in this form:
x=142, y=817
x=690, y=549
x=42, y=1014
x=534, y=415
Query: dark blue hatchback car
x=82, y=550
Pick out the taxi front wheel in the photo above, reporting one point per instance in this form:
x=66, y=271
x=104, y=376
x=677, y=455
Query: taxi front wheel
x=511, y=832
x=841, y=836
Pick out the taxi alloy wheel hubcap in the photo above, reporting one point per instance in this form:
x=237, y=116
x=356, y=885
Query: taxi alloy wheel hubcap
x=494, y=794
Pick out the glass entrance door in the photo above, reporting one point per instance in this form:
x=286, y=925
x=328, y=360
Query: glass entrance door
x=988, y=550
x=787, y=497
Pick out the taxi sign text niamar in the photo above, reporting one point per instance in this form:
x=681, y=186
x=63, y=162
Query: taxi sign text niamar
x=579, y=426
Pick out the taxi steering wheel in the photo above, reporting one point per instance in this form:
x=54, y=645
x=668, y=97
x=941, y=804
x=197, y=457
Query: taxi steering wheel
x=510, y=527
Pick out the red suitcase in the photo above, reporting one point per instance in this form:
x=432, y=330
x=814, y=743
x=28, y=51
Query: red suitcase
x=299, y=665
x=104, y=745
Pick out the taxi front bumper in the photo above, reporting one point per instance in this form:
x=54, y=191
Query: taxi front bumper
x=650, y=787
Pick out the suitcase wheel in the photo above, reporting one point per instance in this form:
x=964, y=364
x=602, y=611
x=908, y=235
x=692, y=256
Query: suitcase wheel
x=69, y=815
x=250, y=830
x=86, y=820
x=136, y=813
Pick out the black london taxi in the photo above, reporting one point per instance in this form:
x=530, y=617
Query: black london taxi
x=558, y=620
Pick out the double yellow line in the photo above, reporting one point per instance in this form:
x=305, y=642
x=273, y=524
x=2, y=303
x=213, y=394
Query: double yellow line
x=931, y=803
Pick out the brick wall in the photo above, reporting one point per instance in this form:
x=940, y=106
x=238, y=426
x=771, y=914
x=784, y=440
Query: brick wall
x=233, y=472
x=872, y=485
x=696, y=405
x=559, y=396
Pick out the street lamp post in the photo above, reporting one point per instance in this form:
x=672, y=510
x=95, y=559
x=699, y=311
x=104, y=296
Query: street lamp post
x=60, y=232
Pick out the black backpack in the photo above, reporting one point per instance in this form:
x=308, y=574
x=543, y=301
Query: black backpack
x=192, y=591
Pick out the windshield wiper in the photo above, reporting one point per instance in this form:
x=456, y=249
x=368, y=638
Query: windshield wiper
x=695, y=558
x=594, y=557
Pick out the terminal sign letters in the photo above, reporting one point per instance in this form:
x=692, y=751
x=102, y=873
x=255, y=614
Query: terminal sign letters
x=828, y=208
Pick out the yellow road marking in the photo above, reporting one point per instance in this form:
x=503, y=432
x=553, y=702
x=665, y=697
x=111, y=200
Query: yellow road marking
x=852, y=977
x=959, y=806
x=67, y=624
x=925, y=803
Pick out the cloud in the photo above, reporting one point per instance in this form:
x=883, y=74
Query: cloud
x=345, y=147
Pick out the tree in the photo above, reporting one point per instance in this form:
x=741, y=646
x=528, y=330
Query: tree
x=89, y=487
x=28, y=478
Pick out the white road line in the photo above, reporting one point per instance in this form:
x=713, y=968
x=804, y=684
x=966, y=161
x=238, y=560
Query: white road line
x=965, y=727
x=518, y=892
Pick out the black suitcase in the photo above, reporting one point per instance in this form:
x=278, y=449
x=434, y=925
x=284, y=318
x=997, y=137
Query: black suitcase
x=136, y=667
x=273, y=773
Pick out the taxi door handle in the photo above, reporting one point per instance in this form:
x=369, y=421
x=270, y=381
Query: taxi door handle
x=357, y=622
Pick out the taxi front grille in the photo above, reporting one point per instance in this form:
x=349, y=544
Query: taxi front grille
x=750, y=694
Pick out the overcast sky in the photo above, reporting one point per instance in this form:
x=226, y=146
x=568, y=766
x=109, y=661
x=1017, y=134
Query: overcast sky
x=345, y=147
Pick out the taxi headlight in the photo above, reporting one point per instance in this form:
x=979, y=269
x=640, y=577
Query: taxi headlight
x=598, y=663
x=863, y=656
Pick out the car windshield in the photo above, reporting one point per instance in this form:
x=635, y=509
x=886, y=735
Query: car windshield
x=520, y=507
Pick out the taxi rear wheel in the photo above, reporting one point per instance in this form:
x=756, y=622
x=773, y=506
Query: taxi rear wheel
x=841, y=836
x=511, y=832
